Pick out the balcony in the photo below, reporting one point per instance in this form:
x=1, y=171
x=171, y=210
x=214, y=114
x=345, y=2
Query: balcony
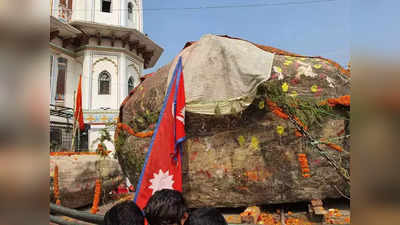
x=64, y=13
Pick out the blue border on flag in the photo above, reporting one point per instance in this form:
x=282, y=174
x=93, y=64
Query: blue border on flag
x=157, y=126
x=175, y=114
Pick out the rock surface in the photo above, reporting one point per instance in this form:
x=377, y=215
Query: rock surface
x=77, y=177
x=239, y=159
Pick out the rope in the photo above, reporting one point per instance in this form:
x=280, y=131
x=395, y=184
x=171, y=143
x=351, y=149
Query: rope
x=313, y=142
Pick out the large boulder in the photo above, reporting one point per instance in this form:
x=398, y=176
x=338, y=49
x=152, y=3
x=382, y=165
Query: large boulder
x=77, y=175
x=238, y=152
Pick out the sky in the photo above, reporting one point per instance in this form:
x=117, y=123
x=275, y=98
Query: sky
x=308, y=27
x=375, y=27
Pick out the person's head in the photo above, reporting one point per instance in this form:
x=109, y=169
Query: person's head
x=206, y=216
x=166, y=207
x=124, y=213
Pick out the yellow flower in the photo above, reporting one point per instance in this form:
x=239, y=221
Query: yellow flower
x=293, y=94
x=317, y=66
x=261, y=105
x=314, y=88
x=285, y=87
x=241, y=140
x=254, y=143
x=280, y=129
x=278, y=69
x=288, y=62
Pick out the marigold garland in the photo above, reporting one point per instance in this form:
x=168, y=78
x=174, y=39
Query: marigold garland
x=334, y=146
x=343, y=100
x=96, y=199
x=276, y=110
x=55, y=186
x=305, y=169
x=128, y=129
x=279, y=112
x=101, y=150
x=73, y=153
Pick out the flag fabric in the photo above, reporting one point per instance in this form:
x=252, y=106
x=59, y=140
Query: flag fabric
x=162, y=168
x=78, y=106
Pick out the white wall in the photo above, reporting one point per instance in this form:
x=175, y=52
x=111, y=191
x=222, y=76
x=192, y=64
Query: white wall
x=90, y=11
x=134, y=21
x=95, y=133
x=112, y=18
x=107, y=63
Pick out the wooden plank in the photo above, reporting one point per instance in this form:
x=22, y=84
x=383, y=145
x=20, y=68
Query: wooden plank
x=233, y=219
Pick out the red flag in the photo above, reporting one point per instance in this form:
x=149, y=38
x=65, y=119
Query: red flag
x=78, y=105
x=163, y=166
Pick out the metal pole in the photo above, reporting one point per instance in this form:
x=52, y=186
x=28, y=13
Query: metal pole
x=58, y=220
x=74, y=127
x=76, y=214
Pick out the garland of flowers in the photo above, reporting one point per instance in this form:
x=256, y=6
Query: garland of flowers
x=333, y=146
x=342, y=100
x=279, y=112
x=96, y=199
x=56, y=187
x=305, y=169
x=73, y=153
x=101, y=150
x=128, y=129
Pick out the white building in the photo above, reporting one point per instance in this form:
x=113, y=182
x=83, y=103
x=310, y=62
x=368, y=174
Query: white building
x=104, y=41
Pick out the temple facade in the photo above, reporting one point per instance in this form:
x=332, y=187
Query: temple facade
x=103, y=41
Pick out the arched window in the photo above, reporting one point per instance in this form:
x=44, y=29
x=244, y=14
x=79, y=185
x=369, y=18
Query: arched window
x=131, y=84
x=130, y=11
x=104, y=83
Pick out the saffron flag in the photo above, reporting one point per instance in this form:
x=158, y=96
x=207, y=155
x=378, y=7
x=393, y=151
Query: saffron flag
x=162, y=168
x=78, y=105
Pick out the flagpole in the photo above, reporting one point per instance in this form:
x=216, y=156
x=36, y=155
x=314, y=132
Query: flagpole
x=74, y=127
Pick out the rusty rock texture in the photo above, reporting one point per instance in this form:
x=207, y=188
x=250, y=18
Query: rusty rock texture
x=77, y=178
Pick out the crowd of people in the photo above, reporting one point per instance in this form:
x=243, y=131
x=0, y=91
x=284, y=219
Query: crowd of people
x=165, y=207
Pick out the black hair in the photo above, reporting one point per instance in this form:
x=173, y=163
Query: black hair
x=206, y=216
x=124, y=213
x=165, y=207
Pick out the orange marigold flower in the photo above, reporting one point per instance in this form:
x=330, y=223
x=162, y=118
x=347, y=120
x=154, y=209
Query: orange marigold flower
x=96, y=200
x=298, y=134
x=334, y=146
x=343, y=100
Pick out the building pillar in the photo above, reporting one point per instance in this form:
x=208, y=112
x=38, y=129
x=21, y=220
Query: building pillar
x=53, y=78
x=124, y=13
x=87, y=80
x=123, y=79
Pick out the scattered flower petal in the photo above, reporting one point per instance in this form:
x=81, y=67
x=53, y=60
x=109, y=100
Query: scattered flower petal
x=314, y=88
x=285, y=87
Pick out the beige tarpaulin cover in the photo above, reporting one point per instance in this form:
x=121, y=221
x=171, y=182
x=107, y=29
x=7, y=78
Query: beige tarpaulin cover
x=221, y=74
